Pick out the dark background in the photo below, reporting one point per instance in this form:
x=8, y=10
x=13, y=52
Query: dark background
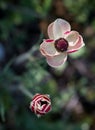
x=24, y=71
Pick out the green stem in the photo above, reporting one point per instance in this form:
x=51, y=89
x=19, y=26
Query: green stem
x=26, y=92
x=28, y=55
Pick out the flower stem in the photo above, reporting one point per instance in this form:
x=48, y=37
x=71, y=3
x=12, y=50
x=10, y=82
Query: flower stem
x=26, y=92
x=26, y=56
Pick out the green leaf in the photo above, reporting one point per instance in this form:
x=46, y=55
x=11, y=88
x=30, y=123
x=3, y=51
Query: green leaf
x=2, y=111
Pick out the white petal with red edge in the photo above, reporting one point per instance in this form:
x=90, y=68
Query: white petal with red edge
x=50, y=31
x=79, y=44
x=72, y=37
x=60, y=27
x=58, y=60
x=47, y=48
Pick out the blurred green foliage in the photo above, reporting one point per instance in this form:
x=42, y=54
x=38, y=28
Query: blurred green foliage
x=19, y=26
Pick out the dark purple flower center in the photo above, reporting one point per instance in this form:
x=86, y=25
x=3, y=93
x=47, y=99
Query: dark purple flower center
x=61, y=45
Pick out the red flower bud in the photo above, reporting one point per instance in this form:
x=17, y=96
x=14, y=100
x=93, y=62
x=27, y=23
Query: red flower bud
x=40, y=104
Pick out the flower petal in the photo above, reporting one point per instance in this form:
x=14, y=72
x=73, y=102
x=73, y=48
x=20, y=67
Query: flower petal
x=47, y=48
x=58, y=60
x=50, y=31
x=72, y=37
x=79, y=44
x=60, y=27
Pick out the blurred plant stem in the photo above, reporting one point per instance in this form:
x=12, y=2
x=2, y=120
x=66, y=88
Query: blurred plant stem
x=2, y=110
x=29, y=55
x=25, y=91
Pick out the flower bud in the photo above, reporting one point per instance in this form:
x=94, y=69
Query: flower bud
x=40, y=104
